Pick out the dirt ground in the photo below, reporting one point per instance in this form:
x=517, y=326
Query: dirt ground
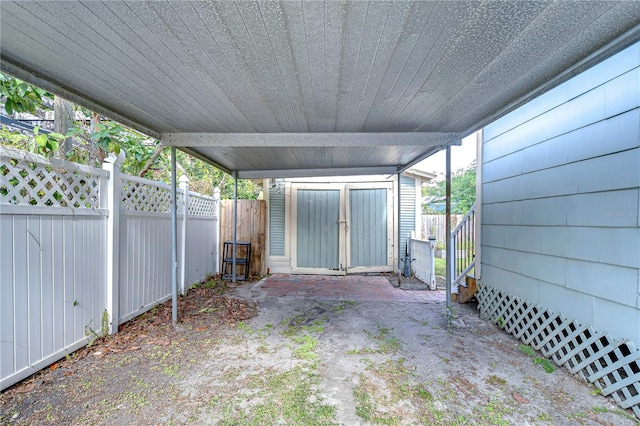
x=238, y=357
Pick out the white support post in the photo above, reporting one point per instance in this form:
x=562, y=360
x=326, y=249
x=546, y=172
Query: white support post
x=453, y=264
x=113, y=189
x=449, y=268
x=432, y=256
x=184, y=187
x=174, y=240
x=399, y=225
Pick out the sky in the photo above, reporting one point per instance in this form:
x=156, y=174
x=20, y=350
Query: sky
x=461, y=157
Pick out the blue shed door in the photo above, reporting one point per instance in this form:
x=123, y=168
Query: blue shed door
x=368, y=227
x=342, y=228
x=318, y=231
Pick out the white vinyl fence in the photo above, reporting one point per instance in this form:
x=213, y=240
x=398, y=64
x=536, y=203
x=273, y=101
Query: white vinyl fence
x=422, y=253
x=82, y=250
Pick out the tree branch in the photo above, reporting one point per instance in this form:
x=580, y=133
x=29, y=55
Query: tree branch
x=152, y=160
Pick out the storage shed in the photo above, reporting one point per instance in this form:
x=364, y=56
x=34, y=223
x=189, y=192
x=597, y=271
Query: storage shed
x=341, y=225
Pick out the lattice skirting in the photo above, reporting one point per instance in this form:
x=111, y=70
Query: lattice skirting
x=611, y=364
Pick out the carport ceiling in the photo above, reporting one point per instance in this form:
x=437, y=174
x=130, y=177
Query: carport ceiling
x=284, y=88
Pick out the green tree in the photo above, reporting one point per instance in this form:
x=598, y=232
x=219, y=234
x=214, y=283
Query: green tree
x=463, y=190
x=16, y=140
x=93, y=142
x=19, y=96
x=204, y=178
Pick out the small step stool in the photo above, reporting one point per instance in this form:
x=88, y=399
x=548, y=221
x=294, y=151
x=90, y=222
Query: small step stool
x=243, y=258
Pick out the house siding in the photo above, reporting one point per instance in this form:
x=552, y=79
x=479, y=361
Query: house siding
x=561, y=195
x=407, y=213
x=277, y=213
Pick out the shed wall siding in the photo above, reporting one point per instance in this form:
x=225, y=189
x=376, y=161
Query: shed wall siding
x=408, y=213
x=561, y=195
x=277, y=220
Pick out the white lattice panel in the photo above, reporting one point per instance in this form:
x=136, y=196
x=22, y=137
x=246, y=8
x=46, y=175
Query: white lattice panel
x=138, y=196
x=32, y=180
x=612, y=365
x=201, y=205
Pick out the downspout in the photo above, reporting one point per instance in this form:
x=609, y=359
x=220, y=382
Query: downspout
x=174, y=240
x=448, y=228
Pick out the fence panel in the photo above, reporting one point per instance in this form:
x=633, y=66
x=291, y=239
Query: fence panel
x=54, y=239
x=52, y=258
x=145, y=243
x=252, y=223
x=421, y=266
x=144, y=246
x=202, y=237
x=145, y=262
x=434, y=225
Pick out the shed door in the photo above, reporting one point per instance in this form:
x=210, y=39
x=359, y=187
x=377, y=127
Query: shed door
x=342, y=228
x=318, y=231
x=370, y=230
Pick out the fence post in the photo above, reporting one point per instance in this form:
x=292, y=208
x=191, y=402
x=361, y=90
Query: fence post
x=454, y=261
x=184, y=187
x=114, y=183
x=432, y=256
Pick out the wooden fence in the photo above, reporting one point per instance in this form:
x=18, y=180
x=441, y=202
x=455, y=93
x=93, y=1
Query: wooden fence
x=434, y=225
x=252, y=224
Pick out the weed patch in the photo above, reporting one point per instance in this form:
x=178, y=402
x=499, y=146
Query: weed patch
x=307, y=346
x=385, y=342
x=541, y=361
x=277, y=397
x=496, y=380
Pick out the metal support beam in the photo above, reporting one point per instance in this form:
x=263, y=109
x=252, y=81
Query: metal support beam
x=284, y=140
x=320, y=172
x=235, y=226
x=398, y=251
x=448, y=227
x=174, y=240
x=455, y=140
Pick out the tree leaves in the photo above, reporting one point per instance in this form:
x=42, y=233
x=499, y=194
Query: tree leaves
x=92, y=143
x=47, y=143
x=20, y=96
x=463, y=190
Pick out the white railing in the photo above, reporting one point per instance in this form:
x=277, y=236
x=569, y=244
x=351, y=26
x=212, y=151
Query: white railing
x=83, y=250
x=463, y=244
